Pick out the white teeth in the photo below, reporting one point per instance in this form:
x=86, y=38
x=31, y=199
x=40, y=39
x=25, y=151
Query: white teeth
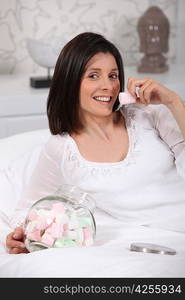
x=104, y=99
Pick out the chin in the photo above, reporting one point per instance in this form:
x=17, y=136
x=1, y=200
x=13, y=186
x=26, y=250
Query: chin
x=105, y=114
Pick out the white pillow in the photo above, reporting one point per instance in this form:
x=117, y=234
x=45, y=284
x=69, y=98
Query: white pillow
x=18, y=157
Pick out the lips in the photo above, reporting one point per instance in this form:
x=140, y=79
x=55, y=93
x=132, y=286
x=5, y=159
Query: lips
x=103, y=98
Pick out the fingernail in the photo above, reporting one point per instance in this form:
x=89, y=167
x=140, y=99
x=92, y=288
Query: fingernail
x=15, y=236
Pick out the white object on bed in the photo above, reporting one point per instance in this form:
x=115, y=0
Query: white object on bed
x=108, y=257
x=18, y=156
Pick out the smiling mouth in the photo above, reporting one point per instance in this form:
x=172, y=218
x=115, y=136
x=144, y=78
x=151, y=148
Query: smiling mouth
x=103, y=98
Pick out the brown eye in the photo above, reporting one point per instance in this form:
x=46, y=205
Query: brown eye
x=114, y=76
x=93, y=76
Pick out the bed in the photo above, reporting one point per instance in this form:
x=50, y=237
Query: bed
x=110, y=256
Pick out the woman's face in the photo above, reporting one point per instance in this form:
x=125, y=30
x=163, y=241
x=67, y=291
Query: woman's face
x=100, y=86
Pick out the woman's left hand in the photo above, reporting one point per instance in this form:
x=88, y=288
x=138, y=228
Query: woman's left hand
x=151, y=92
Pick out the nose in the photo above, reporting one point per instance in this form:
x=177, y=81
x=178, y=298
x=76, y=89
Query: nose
x=106, y=83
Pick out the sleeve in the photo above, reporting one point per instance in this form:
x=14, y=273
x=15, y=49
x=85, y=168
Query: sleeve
x=170, y=133
x=45, y=179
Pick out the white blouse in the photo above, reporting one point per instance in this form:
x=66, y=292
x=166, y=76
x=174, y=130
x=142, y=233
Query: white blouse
x=148, y=184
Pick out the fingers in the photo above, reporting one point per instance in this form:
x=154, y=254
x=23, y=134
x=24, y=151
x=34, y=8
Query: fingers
x=14, y=241
x=17, y=251
x=145, y=85
x=11, y=242
x=149, y=92
x=133, y=83
x=18, y=233
x=145, y=92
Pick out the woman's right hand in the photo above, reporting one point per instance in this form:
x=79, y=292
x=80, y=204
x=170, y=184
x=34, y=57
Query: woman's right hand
x=15, y=241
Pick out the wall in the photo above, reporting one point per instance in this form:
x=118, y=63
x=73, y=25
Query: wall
x=63, y=19
x=180, y=33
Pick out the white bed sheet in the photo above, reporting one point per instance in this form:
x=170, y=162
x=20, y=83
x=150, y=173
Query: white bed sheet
x=108, y=257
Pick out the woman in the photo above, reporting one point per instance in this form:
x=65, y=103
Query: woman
x=131, y=159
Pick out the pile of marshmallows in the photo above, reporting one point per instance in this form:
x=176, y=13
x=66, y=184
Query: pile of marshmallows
x=59, y=227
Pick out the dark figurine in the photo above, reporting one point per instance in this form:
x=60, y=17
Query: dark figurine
x=153, y=28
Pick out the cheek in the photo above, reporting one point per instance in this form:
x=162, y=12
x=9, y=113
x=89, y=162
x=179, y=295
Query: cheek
x=116, y=87
x=85, y=89
x=85, y=93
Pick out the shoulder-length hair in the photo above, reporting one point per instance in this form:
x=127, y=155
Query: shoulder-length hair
x=63, y=99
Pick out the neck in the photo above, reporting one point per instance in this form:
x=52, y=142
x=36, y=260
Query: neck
x=101, y=126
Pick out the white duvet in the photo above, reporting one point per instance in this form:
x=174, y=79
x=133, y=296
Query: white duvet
x=110, y=255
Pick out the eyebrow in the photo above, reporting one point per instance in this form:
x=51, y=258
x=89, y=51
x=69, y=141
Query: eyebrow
x=98, y=69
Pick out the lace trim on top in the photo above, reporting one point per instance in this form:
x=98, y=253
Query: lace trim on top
x=73, y=154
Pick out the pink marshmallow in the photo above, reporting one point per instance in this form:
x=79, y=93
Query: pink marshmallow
x=41, y=223
x=47, y=239
x=56, y=230
x=65, y=226
x=126, y=98
x=34, y=236
x=87, y=233
x=58, y=208
x=88, y=242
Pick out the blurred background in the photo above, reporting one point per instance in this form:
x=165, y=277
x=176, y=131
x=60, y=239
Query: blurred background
x=52, y=23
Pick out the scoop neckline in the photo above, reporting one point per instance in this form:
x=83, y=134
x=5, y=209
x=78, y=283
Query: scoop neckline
x=121, y=162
